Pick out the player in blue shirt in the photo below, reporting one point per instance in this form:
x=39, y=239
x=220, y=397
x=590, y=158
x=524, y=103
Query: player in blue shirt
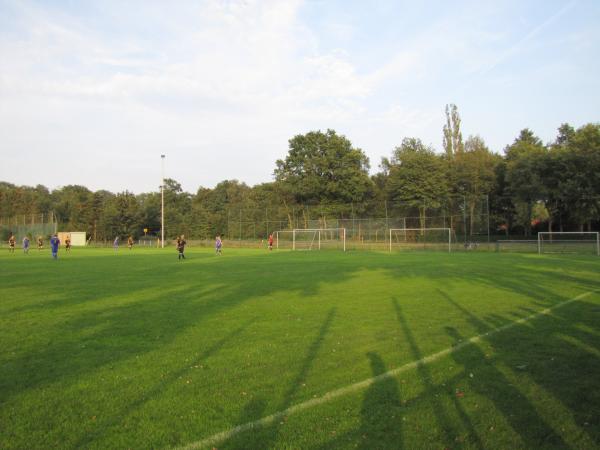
x=218, y=244
x=54, y=243
x=25, y=245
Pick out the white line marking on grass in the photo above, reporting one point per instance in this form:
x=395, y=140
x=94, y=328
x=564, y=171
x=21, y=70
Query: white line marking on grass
x=331, y=395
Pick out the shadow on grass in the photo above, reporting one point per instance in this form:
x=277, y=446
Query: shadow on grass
x=381, y=411
x=533, y=349
x=89, y=340
x=536, y=346
x=263, y=437
x=447, y=427
x=562, y=359
x=105, y=427
x=381, y=414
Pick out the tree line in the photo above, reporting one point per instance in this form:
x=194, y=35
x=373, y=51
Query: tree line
x=532, y=186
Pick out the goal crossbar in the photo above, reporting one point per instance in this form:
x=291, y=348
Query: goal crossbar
x=422, y=231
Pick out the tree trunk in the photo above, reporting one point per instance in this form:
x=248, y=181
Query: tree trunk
x=560, y=223
x=287, y=212
x=528, y=223
x=422, y=216
x=471, y=218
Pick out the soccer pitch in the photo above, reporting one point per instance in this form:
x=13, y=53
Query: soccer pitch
x=251, y=349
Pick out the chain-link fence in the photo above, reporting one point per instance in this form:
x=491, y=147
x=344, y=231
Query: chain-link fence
x=468, y=218
x=30, y=225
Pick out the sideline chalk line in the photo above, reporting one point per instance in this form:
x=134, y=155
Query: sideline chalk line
x=331, y=395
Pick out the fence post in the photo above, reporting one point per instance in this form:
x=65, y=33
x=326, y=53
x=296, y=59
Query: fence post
x=487, y=203
x=465, y=217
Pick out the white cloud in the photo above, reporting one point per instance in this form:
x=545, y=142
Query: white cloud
x=222, y=84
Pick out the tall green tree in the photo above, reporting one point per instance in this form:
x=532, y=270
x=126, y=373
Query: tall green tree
x=416, y=176
x=324, y=167
x=527, y=160
x=579, y=176
x=120, y=216
x=453, y=141
x=71, y=205
x=474, y=174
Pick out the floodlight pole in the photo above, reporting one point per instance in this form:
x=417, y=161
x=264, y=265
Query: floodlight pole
x=162, y=202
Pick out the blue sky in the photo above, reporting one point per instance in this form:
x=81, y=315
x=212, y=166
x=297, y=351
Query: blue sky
x=93, y=92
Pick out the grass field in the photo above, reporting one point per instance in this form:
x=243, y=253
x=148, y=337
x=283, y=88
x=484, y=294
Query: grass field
x=139, y=350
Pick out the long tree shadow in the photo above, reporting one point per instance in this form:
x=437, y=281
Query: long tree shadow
x=490, y=382
x=90, y=340
x=562, y=359
x=522, y=416
x=265, y=436
x=105, y=426
x=381, y=411
x=87, y=342
x=123, y=330
x=449, y=430
x=381, y=415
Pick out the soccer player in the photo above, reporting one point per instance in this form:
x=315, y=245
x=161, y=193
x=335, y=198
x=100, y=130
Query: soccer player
x=11, y=243
x=116, y=243
x=181, y=246
x=68, y=243
x=26, y=245
x=54, y=243
x=218, y=244
x=271, y=242
x=40, y=242
x=130, y=242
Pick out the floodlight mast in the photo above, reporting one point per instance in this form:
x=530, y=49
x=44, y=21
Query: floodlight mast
x=162, y=201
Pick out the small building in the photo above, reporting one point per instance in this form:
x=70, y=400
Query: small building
x=77, y=237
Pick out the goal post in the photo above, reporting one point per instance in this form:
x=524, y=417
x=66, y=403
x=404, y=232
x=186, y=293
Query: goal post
x=311, y=239
x=414, y=238
x=283, y=239
x=568, y=242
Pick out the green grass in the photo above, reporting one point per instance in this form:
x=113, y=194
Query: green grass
x=140, y=350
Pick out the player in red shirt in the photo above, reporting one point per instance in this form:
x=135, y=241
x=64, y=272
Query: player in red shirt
x=271, y=242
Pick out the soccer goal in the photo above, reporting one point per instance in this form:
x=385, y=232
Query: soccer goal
x=421, y=238
x=569, y=242
x=284, y=239
x=311, y=239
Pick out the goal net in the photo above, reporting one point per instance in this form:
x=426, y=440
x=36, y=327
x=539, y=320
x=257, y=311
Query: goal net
x=311, y=239
x=440, y=239
x=569, y=242
x=283, y=239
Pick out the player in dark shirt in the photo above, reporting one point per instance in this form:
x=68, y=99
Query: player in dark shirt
x=181, y=246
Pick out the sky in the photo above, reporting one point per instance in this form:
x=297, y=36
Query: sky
x=92, y=93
